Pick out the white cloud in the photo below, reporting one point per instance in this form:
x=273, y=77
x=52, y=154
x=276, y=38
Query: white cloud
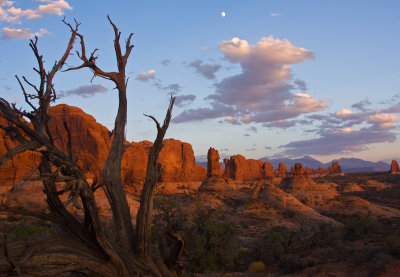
x=8, y=33
x=344, y=113
x=262, y=91
x=146, y=76
x=13, y=14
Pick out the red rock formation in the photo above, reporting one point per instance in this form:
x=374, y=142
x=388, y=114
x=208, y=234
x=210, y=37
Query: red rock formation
x=394, y=167
x=281, y=171
x=178, y=163
x=335, y=168
x=298, y=170
x=267, y=170
x=134, y=162
x=17, y=167
x=240, y=169
x=91, y=143
x=90, y=140
x=213, y=165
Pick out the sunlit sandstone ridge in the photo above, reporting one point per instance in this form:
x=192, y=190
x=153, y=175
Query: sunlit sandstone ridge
x=91, y=142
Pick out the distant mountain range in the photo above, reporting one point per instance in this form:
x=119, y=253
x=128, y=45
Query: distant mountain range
x=347, y=164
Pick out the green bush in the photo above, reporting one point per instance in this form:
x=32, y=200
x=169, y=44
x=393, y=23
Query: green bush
x=23, y=232
x=211, y=248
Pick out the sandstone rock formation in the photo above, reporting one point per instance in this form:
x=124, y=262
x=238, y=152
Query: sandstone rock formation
x=298, y=170
x=239, y=168
x=90, y=145
x=215, y=182
x=17, y=167
x=394, y=167
x=281, y=171
x=134, y=162
x=213, y=166
x=90, y=140
x=335, y=168
x=267, y=170
x=176, y=161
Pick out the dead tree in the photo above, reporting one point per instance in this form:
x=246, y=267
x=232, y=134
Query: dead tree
x=83, y=245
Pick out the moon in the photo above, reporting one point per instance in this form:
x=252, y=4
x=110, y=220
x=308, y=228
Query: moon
x=223, y=14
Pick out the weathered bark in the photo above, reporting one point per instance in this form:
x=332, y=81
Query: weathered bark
x=112, y=168
x=84, y=245
x=145, y=213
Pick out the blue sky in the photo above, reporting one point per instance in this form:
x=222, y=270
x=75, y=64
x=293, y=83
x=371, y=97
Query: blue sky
x=267, y=79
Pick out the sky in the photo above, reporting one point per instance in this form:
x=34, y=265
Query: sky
x=261, y=78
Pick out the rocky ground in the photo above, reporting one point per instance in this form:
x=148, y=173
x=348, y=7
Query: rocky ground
x=330, y=226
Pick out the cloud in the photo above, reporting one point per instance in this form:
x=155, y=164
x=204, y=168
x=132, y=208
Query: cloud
x=14, y=99
x=344, y=113
x=13, y=14
x=8, y=33
x=347, y=131
x=383, y=120
x=85, y=91
x=166, y=62
x=262, y=91
x=183, y=100
x=361, y=105
x=206, y=70
x=146, y=76
x=341, y=141
x=231, y=120
x=301, y=85
x=214, y=111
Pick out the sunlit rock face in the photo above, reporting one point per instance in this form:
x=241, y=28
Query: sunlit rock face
x=240, y=169
x=394, y=167
x=281, y=172
x=17, y=167
x=90, y=140
x=213, y=166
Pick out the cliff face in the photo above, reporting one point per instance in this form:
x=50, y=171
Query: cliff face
x=20, y=165
x=91, y=143
x=394, y=167
x=178, y=162
x=241, y=169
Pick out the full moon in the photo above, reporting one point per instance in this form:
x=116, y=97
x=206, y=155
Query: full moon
x=223, y=14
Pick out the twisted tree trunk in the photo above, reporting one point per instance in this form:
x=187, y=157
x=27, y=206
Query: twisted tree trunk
x=83, y=245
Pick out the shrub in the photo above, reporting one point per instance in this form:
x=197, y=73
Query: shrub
x=210, y=247
x=257, y=267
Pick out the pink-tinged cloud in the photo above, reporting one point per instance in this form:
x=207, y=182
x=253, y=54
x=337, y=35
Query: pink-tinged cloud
x=8, y=33
x=338, y=132
x=13, y=14
x=262, y=92
x=383, y=120
x=146, y=76
x=340, y=141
